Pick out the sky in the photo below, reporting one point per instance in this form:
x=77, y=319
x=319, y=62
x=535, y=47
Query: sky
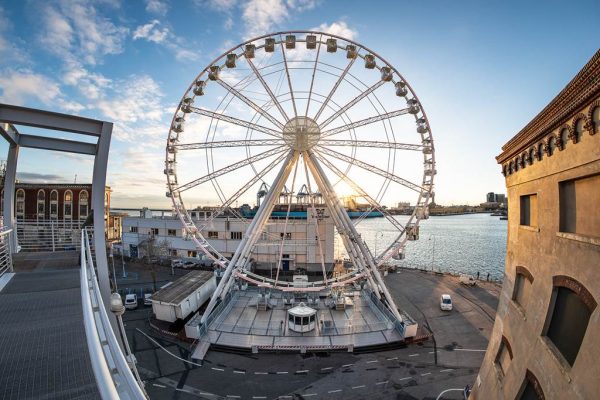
x=482, y=71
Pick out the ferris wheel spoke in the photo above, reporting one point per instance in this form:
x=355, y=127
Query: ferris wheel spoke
x=229, y=143
x=237, y=121
x=256, y=178
x=363, y=122
x=335, y=86
x=371, y=143
x=267, y=88
x=230, y=168
x=287, y=72
x=250, y=103
x=351, y=103
x=371, y=168
x=312, y=79
x=360, y=191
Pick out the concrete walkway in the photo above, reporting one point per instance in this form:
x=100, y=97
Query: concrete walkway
x=43, y=350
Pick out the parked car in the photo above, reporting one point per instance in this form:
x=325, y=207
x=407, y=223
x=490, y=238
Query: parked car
x=147, y=299
x=446, y=302
x=467, y=280
x=189, y=264
x=131, y=301
x=177, y=263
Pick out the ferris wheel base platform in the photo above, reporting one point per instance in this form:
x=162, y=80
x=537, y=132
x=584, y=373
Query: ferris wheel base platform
x=243, y=327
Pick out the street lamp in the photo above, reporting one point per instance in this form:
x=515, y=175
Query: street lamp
x=112, y=259
x=376, y=236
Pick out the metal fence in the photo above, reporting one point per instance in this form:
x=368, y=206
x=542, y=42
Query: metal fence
x=114, y=377
x=48, y=235
x=5, y=251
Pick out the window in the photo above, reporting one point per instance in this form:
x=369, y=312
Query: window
x=83, y=204
x=570, y=309
x=578, y=212
x=287, y=235
x=173, y=252
x=133, y=229
x=154, y=231
x=564, y=137
x=54, y=204
x=68, y=205
x=20, y=206
x=523, y=282
x=528, y=210
x=596, y=120
x=531, y=389
x=192, y=253
x=171, y=232
x=236, y=235
x=578, y=130
x=213, y=235
x=504, y=356
x=41, y=204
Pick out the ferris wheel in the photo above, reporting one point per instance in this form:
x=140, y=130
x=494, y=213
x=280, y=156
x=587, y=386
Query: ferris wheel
x=306, y=113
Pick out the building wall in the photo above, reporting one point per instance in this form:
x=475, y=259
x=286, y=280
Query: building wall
x=547, y=253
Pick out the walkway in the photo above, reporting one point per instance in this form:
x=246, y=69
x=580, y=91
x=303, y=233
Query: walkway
x=43, y=350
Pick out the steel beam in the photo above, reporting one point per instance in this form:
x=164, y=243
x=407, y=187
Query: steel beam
x=48, y=143
x=49, y=120
x=9, y=133
x=9, y=195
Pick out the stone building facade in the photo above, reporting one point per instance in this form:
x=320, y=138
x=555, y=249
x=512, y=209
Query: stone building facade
x=546, y=338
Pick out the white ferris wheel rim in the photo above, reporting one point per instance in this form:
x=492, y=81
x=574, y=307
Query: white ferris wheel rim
x=425, y=193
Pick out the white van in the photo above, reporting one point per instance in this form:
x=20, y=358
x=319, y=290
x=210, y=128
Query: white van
x=131, y=301
x=467, y=280
x=446, y=302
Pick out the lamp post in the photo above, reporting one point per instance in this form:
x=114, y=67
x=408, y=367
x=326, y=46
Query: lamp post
x=376, y=237
x=123, y=262
x=112, y=259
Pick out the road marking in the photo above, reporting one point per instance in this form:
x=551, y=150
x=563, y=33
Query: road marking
x=382, y=383
x=447, y=370
x=259, y=397
x=413, y=355
x=393, y=358
x=233, y=396
x=403, y=379
x=157, y=385
x=335, y=391
x=372, y=361
x=309, y=394
x=425, y=374
x=261, y=373
x=239, y=372
x=182, y=390
x=281, y=372
x=431, y=352
x=358, y=387
x=284, y=397
x=347, y=365
x=217, y=369
x=302, y=371
x=469, y=350
x=326, y=368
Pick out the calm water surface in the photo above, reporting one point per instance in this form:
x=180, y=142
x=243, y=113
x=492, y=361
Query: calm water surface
x=459, y=244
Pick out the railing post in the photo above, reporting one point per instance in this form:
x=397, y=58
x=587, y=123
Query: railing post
x=52, y=234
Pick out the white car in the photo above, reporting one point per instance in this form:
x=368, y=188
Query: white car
x=446, y=302
x=147, y=299
x=467, y=280
x=131, y=301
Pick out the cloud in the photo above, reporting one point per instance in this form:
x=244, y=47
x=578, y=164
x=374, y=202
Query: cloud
x=11, y=50
x=261, y=16
x=339, y=28
x=218, y=5
x=92, y=85
x=162, y=35
x=157, y=7
x=35, y=177
x=74, y=30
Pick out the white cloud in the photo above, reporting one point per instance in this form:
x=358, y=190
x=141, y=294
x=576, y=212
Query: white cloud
x=162, y=35
x=75, y=31
x=302, y=5
x=261, y=15
x=339, y=28
x=157, y=7
x=228, y=24
x=90, y=84
x=218, y=5
x=11, y=50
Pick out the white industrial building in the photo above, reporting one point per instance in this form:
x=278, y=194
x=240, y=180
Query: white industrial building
x=184, y=296
x=143, y=235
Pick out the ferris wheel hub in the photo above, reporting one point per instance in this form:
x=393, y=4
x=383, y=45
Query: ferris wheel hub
x=301, y=133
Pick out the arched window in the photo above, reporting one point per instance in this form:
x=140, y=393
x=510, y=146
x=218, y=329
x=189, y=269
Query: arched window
x=83, y=204
x=504, y=356
x=68, y=205
x=531, y=156
x=578, y=130
x=20, y=204
x=522, y=288
x=54, y=204
x=540, y=152
x=568, y=316
x=596, y=120
x=531, y=388
x=551, y=145
x=41, y=204
x=564, y=137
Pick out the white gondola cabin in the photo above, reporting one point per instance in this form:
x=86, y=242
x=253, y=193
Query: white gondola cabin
x=302, y=318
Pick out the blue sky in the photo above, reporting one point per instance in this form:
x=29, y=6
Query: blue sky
x=482, y=70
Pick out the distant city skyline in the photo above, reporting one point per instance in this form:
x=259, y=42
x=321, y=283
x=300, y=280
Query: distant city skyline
x=481, y=71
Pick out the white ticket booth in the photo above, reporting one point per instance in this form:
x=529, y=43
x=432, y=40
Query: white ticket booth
x=302, y=318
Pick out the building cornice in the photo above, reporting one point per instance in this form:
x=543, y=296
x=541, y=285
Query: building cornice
x=579, y=91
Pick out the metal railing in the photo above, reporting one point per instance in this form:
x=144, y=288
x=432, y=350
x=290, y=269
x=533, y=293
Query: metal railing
x=383, y=310
x=48, y=235
x=5, y=251
x=114, y=377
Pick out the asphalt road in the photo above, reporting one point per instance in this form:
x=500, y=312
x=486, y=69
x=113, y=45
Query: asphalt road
x=419, y=371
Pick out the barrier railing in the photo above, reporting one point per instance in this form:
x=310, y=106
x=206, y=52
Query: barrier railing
x=48, y=235
x=114, y=378
x=5, y=251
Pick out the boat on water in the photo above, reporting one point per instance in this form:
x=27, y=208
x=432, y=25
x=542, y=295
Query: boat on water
x=300, y=211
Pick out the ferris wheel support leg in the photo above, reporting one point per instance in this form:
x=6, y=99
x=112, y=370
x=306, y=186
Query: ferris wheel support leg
x=337, y=213
x=366, y=255
x=252, y=233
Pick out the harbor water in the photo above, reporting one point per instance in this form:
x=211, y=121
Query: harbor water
x=468, y=243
